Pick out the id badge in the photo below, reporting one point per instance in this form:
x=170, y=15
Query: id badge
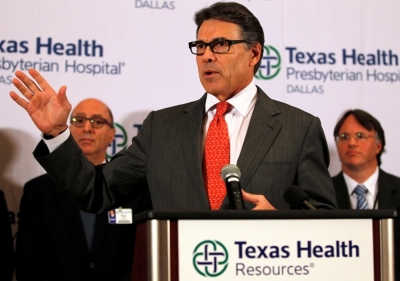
x=120, y=216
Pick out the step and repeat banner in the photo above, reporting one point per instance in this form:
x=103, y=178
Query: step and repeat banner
x=322, y=56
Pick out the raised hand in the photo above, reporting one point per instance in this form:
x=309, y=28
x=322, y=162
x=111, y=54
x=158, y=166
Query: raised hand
x=47, y=109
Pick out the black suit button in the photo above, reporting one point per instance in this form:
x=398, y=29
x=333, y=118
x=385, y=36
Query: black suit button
x=92, y=265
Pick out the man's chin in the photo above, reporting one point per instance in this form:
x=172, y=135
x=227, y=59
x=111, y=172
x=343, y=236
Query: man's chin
x=86, y=149
x=218, y=93
x=212, y=87
x=353, y=165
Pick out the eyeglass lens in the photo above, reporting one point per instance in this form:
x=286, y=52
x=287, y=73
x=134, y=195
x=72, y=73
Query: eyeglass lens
x=356, y=136
x=94, y=122
x=217, y=46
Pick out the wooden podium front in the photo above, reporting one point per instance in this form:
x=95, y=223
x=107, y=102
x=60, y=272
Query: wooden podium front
x=260, y=245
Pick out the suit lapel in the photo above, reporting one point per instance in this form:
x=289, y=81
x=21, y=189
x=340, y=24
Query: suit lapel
x=101, y=228
x=263, y=126
x=72, y=219
x=386, y=190
x=192, y=142
x=342, y=192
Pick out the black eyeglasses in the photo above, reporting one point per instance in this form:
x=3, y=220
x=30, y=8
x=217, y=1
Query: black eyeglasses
x=218, y=46
x=95, y=122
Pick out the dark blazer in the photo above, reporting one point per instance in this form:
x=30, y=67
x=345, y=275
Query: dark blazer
x=388, y=198
x=51, y=243
x=7, y=245
x=284, y=146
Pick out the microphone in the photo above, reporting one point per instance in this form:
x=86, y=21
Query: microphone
x=230, y=174
x=297, y=198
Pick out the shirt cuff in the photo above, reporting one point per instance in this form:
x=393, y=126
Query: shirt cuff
x=54, y=143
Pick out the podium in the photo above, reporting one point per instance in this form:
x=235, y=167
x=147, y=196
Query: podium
x=265, y=245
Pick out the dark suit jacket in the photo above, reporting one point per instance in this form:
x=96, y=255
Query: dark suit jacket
x=51, y=243
x=283, y=146
x=388, y=198
x=7, y=245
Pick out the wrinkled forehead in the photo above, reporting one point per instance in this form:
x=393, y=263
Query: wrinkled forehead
x=91, y=108
x=215, y=29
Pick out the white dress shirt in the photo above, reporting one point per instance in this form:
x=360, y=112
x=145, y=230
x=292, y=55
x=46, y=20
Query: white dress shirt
x=237, y=119
x=372, y=186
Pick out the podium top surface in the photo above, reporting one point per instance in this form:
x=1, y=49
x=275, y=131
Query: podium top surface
x=279, y=214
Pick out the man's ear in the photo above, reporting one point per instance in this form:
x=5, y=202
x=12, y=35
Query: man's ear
x=112, y=134
x=378, y=147
x=255, y=54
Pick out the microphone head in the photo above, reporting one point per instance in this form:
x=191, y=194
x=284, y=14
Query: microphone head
x=230, y=170
x=295, y=196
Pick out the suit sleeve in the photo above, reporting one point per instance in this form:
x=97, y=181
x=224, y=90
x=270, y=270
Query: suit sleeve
x=99, y=188
x=313, y=175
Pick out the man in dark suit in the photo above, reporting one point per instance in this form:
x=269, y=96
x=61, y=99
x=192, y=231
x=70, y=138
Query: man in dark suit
x=57, y=241
x=275, y=145
x=360, y=142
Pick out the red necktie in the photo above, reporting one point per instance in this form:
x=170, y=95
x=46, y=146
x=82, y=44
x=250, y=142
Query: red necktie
x=216, y=156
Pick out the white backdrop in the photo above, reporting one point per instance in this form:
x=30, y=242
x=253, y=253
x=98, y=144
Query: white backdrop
x=353, y=43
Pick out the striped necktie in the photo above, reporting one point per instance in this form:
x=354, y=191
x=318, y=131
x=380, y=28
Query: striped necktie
x=360, y=191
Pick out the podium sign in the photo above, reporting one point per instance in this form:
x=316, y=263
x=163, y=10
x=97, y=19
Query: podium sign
x=276, y=250
x=264, y=245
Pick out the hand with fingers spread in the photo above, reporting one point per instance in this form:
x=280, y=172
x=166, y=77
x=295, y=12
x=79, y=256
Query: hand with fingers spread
x=259, y=200
x=49, y=110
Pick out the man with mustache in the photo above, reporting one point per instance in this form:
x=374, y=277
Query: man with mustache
x=57, y=241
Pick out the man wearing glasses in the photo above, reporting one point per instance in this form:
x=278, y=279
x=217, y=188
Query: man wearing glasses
x=360, y=141
x=57, y=241
x=179, y=152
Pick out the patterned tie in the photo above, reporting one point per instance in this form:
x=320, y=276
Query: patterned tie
x=216, y=156
x=88, y=222
x=360, y=191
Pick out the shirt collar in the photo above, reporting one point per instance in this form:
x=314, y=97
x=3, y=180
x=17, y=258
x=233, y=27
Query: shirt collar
x=371, y=183
x=241, y=101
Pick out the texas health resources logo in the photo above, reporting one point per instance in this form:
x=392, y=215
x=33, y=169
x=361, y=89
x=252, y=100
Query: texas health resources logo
x=210, y=258
x=270, y=65
x=119, y=142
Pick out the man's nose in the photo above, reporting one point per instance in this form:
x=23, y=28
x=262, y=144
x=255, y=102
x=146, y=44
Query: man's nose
x=87, y=126
x=352, y=140
x=208, y=55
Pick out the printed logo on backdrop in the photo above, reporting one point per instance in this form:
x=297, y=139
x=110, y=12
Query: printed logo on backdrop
x=159, y=5
x=210, y=258
x=47, y=54
x=309, y=72
x=119, y=142
x=270, y=64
